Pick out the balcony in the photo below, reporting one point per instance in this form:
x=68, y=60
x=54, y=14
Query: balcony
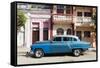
x=62, y=19
x=84, y=21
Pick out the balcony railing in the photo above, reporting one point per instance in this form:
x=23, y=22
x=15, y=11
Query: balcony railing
x=62, y=18
x=84, y=19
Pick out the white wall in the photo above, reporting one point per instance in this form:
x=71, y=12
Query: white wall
x=20, y=37
x=28, y=32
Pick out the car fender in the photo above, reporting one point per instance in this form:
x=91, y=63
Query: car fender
x=45, y=48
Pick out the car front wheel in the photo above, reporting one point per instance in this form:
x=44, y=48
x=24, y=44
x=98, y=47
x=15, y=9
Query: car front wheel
x=39, y=53
x=76, y=52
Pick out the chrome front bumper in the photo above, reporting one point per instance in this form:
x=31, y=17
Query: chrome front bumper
x=30, y=53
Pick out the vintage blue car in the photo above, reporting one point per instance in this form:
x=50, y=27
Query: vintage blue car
x=60, y=44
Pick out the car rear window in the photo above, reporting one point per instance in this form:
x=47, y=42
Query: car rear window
x=74, y=39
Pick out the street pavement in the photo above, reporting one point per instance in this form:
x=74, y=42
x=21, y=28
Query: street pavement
x=23, y=59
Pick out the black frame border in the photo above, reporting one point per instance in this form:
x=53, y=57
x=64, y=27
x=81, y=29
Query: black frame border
x=13, y=41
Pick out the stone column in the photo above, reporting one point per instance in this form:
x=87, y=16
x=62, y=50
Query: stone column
x=82, y=35
x=41, y=31
x=27, y=32
x=74, y=20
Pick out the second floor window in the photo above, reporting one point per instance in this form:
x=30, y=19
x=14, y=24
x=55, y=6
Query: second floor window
x=87, y=14
x=68, y=10
x=79, y=13
x=60, y=9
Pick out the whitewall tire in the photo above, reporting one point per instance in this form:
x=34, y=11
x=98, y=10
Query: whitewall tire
x=38, y=53
x=76, y=52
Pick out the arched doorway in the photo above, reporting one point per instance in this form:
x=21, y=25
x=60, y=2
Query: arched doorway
x=60, y=31
x=69, y=32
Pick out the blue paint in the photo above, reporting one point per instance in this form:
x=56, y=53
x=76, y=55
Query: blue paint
x=60, y=46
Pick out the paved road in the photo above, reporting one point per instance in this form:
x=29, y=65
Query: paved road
x=22, y=59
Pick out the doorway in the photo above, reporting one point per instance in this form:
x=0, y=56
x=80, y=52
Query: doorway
x=45, y=34
x=35, y=33
x=78, y=33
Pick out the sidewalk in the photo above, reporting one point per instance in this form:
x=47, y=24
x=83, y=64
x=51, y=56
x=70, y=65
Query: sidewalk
x=21, y=50
x=92, y=49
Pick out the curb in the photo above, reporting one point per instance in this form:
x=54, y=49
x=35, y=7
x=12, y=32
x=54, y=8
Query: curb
x=92, y=49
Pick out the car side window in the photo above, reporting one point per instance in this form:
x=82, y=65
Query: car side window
x=57, y=39
x=66, y=39
x=69, y=39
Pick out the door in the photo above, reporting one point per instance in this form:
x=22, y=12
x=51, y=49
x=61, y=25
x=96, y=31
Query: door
x=78, y=33
x=57, y=45
x=69, y=31
x=45, y=34
x=35, y=32
x=35, y=35
x=67, y=44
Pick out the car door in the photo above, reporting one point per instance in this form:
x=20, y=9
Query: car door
x=66, y=44
x=57, y=45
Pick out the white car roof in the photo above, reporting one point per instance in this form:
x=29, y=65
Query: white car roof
x=66, y=36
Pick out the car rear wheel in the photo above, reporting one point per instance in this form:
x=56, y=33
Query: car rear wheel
x=76, y=52
x=39, y=53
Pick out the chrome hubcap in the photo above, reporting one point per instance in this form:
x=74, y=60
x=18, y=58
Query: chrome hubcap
x=76, y=52
x=38, y=53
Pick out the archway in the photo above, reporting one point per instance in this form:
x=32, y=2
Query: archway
x=69, y=32
x=60, y=31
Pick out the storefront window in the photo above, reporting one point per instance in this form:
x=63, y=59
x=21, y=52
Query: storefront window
x=60, y=31
x=87, y=34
